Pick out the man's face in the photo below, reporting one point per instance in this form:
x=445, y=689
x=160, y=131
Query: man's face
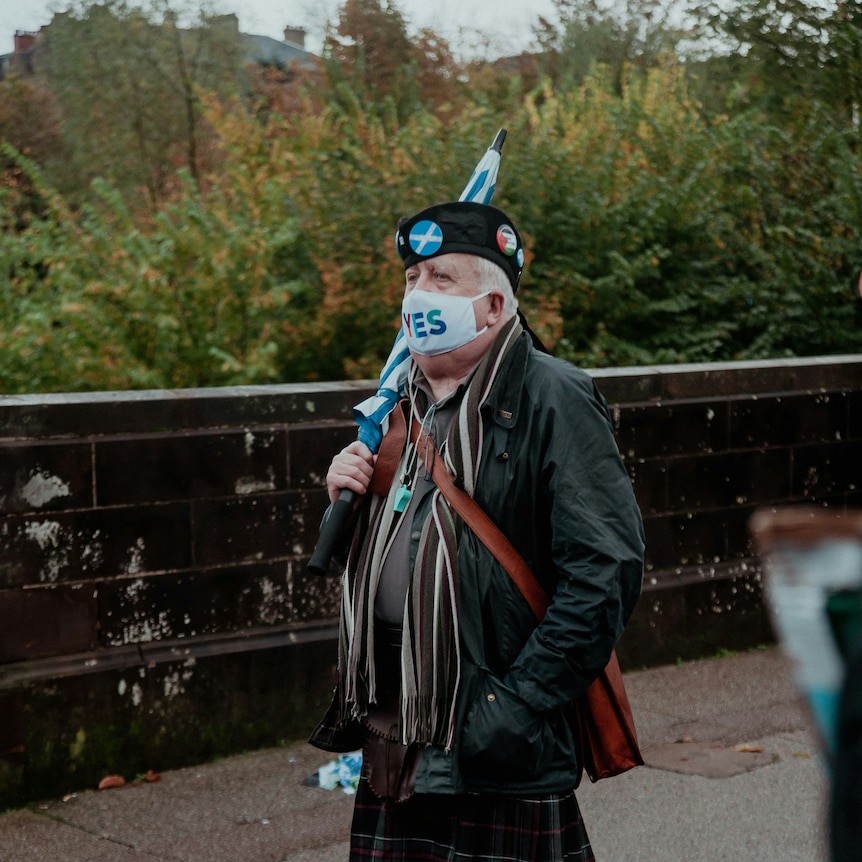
x=455, y=274
x=460, y=277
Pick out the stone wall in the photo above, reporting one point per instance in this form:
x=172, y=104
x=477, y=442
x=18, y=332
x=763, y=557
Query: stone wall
x=155, y=609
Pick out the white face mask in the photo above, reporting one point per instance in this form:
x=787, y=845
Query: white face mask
x=436, y=323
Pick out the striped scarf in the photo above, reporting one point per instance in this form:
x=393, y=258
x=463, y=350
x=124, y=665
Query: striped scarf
x=430, y=651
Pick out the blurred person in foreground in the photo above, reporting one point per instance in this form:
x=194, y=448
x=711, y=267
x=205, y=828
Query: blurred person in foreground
x=457, y=697
x=845, y=809
x=845, y=803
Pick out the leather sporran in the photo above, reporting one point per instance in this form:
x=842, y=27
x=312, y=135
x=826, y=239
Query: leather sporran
x=388, y=765
x=605, y=725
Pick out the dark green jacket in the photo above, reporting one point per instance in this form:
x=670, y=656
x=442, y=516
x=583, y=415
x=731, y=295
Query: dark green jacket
x=551, y=478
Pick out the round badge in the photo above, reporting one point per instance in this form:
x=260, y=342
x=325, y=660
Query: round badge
x=507, y=242
x=426, y=237
x=520, y=257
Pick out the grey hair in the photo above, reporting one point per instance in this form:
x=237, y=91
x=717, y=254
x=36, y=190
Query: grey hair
x=493, y=277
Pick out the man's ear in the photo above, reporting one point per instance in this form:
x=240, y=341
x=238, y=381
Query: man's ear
x=495, y=309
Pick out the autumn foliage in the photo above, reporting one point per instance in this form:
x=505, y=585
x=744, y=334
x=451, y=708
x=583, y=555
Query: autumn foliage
x=658, y=231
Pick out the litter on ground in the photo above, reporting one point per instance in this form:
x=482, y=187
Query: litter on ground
x=342, y=772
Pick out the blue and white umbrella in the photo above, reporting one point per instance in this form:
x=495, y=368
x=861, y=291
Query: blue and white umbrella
x=481, y=186
x=374, y=411
x=372, y=414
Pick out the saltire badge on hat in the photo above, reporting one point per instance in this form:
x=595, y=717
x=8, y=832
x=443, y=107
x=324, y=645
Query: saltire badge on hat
x=425, y=238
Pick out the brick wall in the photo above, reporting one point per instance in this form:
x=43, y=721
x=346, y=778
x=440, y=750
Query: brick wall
x=155, y=609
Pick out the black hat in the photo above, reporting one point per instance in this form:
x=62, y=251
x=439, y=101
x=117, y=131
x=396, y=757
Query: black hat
x=466, y=227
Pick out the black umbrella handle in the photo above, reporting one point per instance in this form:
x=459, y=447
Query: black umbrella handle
x=332, y=532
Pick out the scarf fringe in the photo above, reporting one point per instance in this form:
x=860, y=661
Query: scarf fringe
x=431, y=643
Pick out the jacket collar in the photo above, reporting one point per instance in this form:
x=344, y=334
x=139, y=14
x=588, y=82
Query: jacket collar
x=504, y=400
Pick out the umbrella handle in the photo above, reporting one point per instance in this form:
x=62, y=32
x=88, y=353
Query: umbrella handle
x=331, y=532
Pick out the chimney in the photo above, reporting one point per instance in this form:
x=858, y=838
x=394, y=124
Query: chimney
x=295, y=35
x=229, y=22
x=23, y=41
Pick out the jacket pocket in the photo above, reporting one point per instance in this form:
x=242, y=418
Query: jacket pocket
x=503, y=737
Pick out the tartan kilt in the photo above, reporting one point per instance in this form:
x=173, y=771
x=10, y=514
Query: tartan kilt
x=440, y=828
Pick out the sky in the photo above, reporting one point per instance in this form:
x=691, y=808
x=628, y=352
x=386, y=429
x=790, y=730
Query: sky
x=473, y=27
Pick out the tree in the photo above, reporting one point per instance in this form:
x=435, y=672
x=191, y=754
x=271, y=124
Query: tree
x=128, y=82
x=28, y=118
x=29, y=122
x=844, y=63
x=621, y=34
x=439, y=75
x=370, y=52
x=369, y=49
x=788, y=53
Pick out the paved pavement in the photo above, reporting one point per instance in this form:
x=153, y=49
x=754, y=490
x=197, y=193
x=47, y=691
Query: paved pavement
x=699, y=798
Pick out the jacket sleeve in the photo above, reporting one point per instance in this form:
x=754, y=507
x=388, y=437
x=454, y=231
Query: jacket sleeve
x=594, y=565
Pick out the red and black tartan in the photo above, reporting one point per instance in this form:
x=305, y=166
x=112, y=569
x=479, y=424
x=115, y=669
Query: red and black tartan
x=439, y=828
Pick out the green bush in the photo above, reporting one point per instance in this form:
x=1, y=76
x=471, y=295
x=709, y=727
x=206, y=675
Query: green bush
x=655, y=235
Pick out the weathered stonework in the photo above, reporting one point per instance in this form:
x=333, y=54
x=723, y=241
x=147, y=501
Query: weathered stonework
x=155, y=608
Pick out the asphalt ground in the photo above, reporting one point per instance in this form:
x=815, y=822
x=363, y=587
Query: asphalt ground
x=732, y=772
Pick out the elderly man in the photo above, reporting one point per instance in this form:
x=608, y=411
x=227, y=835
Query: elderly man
x=457, y=695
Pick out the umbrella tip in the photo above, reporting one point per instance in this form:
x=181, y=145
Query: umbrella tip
x=498, y=141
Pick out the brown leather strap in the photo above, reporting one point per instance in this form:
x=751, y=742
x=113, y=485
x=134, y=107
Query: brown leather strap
x=484, y=528
x=390, y=451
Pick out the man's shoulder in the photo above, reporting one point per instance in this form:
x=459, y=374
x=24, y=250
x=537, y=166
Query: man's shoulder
x=542, y=384
x=562, y=391
x=542, y=368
